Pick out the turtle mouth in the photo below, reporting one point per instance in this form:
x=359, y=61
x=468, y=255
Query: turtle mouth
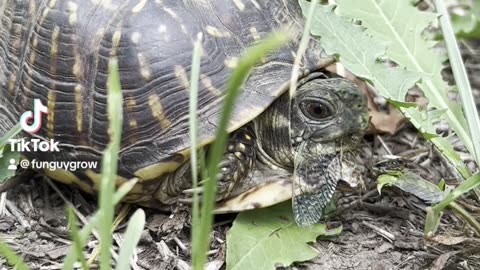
x=346, y=143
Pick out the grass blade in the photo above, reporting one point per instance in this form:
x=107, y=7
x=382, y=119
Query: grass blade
x=461, y=78
x=12, y=257
x=132, y=236
x=195, y=75
x=302, y=47
x=246, y=63
x=77, y=243
x=109, y=163
x=471, y=115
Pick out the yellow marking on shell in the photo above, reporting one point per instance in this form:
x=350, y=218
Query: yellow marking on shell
x=155, y=171
x=215, y=32
x=77, y=66
x=231, y=147
x=117, y=35
x=162, y=29
x=263, y=195
x=133, y=123
x=52, y=3
x=54, y=42
x=207, y=83
x=136, y=36
x=231, y=62
x=248, y=137
x=145, y=70
x=255, y=3
x=51, y=112
x=181, y=75
x=139, y=6
x=157, y=111
x=239, y=155
x=241, y=147
x=171, y=12
x=254, y=32
x=97, y=179
x=44, y=15
x=131, y=103
x=130, y=106
x=240, y=5
x=184, y=28
x=68, y=178
x=79, y=107
x=53, y=70
x=11, y=84
x=33, y=7
x=72, y=8
x=100, y=32
x=17, y=31
x=33, y=53
x=107, y=4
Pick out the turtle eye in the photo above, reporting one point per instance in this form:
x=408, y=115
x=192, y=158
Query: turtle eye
x=317, y=110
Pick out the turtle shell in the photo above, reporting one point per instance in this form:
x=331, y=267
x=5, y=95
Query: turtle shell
x=58, y=51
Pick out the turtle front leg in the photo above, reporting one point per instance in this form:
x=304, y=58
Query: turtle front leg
x=236, y=165
x=237, y=161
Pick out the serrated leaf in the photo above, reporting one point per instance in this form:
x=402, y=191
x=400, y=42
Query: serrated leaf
x=265, y=238
x=338, y=37
x=360, y=52
x=6, y=158
x=401, y=25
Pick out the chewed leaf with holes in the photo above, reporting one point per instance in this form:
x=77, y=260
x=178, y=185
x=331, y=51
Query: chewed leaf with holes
x=413, y=184
x=265, y=238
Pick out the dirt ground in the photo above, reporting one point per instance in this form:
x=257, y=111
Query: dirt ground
x=379, y=231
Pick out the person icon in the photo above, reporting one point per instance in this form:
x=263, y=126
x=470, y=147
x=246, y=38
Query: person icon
x=12, y=165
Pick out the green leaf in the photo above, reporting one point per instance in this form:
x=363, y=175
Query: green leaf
x=468, y=26
x=432, y=221
x=394, y=32
x=265, y=238
x=12, y=258
x=385, y=179
x=132, y=236
x=77, y=244
x=5, y=161
x=411, y=182
x=401, y=25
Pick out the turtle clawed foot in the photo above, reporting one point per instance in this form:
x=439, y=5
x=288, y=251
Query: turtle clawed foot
x=235, y=166
x=224, y=187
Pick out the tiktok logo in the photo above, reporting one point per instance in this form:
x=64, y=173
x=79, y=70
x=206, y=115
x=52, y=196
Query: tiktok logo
x=36, y=115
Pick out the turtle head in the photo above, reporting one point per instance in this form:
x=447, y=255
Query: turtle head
x=328, y=117
x=328, y=110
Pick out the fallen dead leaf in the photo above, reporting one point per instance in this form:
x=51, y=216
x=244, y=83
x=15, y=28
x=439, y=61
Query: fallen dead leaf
x=448, y=240
x=381, y=121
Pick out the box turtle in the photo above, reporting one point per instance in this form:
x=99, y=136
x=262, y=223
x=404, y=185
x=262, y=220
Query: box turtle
x=57, y=51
